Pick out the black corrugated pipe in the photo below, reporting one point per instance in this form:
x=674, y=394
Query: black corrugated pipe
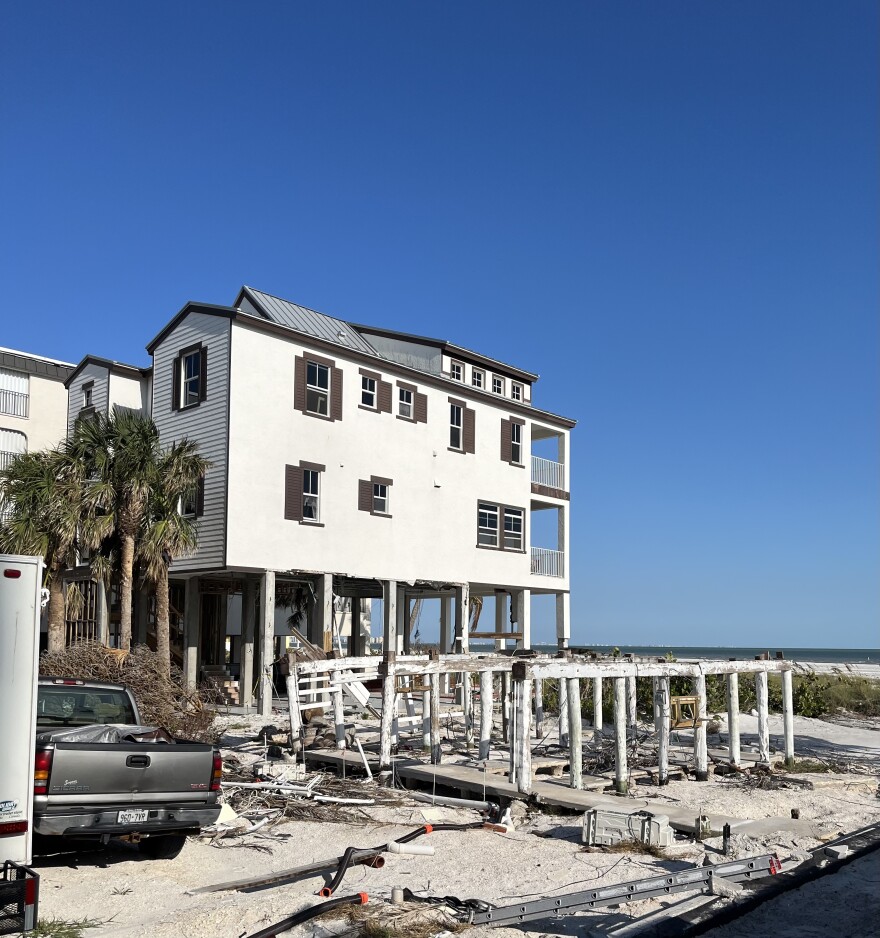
x=304, y=915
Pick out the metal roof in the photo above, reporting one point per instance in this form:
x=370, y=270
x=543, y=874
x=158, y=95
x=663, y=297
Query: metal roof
x=310, y=321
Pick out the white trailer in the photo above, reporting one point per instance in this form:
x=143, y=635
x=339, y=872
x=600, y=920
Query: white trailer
x=21, y=580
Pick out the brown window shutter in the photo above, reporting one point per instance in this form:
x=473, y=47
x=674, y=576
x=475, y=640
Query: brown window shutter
x=421, y=407
x=175, y=384
x=336, y=393
x=365, y=495
x=293, y=493
x=299, y=383
x=203, y=373
x=506, y=455
x=384, y=397
x=200, y=498
x=469, y=434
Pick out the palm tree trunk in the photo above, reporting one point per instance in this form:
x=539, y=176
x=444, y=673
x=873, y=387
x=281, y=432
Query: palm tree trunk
x=163, y=629
x=56, y=614
x=125, y=580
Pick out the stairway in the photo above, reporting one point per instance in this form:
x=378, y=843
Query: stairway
x=223, y=681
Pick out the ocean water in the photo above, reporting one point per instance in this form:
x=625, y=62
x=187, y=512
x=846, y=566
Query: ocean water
x=828, y=655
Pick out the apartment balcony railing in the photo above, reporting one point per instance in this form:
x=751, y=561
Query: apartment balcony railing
x=549, y=473
x=14, y=403
x=546, y=562
x=6, y=459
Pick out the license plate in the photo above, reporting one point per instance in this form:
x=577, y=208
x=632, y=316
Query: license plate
x=132, y=817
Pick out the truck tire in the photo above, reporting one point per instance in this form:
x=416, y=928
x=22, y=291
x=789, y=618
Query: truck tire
x=162, y=846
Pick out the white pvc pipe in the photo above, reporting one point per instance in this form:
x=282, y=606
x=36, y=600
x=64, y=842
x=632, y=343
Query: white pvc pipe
x=415, y=850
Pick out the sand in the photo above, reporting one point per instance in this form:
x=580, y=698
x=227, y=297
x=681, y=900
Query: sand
x=543, y=855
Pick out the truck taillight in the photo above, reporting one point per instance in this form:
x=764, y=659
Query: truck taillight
x=217, y=772
x=42, y=768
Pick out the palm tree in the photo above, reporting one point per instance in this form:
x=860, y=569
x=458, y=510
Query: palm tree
x=124, y=455
x=42, y=512
x=166, y=533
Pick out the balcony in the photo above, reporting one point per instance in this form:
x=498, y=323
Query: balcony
x=548, y=473
x=546, y=562
x=14, y=403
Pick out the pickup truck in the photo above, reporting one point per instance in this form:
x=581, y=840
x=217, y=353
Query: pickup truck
x=151, y=791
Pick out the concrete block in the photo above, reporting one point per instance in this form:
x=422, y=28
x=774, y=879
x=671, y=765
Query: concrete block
x=719, y=886
x=837, y=852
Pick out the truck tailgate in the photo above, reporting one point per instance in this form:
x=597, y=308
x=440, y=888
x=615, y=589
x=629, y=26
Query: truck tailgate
x=136, y=773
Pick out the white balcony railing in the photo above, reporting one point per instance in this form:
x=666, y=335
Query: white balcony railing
x=14, y=403
x=546, y=562
x=549, y=473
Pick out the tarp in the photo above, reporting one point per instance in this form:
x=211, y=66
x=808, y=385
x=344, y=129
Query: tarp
x=107, y=733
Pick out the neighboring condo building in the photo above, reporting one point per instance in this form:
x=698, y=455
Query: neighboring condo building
x=348, y=463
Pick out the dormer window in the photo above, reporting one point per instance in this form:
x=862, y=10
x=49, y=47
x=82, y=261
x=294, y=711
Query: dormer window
x=190, y=377
x=497, y=384
x=456, y=371
x=478, y=378
x=516, y=391
x=87, y=394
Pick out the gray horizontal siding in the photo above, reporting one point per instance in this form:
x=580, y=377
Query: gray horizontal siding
x=100, y=378
x=207, y=424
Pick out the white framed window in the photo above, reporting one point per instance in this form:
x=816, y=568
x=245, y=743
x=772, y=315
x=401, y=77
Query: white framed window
x=516, y=443
x=456, y=371
x=497, y=384
x=190, y=378
x=513, y=529
x=188, y=506
x=405, y=403
x=87, y=394
x=455, y=440
x=368, y=391
x=478, y=378
x=311, y=507
x=516, y=391
x=318, y=389
x=380, y=498
x=487, y=525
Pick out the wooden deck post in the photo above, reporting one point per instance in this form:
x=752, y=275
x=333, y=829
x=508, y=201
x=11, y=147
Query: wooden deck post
x=524, y=740
x=338, y=712
x=563, y=712
x=788, y=717
x=436, y=681
x=655, y=690
x=575, y=753
x=293, y=704
x=486, y=681
x=662, y=705
x=467, y=706
x=505, y=706
x=597, y=706
x=621, y=772
x=733, y=718
x=267, y=641
x=389, y=706
x=445, y=643
x=763, y=718
x=426, y=720
x=701, y=751
x=631, y=717
x=539, y=708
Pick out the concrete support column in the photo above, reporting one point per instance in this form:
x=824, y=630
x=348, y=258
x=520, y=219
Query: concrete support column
x=563, y=713
x=324, y=612
x=662, y=706
x=102, y=613
x=522, y=614
x=246, y=670
x=485, y=713
x=597, y=706
x=191, y=629
x=523, y=741
x=701, y=752
x=389, y=618
x=267, y=640
x=563, y=619
x=733, y=718
x=788, y=717
x=763, y=718
x=576, y=754
x=389, y=695
x=621, y=770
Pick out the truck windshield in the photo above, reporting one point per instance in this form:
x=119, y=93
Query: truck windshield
x=67, y=705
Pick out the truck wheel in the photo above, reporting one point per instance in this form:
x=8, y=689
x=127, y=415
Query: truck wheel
x=163, y=847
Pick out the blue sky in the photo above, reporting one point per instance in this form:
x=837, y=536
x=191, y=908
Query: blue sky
x=668, y=210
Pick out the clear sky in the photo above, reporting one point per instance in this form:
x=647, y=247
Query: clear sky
x=668, y=210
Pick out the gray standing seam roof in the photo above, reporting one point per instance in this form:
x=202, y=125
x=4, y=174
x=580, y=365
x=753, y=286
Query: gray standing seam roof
x=285, y=313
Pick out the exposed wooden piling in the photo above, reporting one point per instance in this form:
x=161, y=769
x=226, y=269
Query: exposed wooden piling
x=523, y=767
x=562, y=697
x=426, y=720
x=631, y=717
x=621, y=771
x=597, y=706
x=539, y=708
x=505, y=706
x=701, y=750
x=436, y=681
x=389, y=706
x=788, y=717
x=763, y=718
x=338, y=712
x=486, y=681
x=467, y=706
x=655, y=689
x=662, y=707
x=575, y=753
x=293, y=706
x=733, y=718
